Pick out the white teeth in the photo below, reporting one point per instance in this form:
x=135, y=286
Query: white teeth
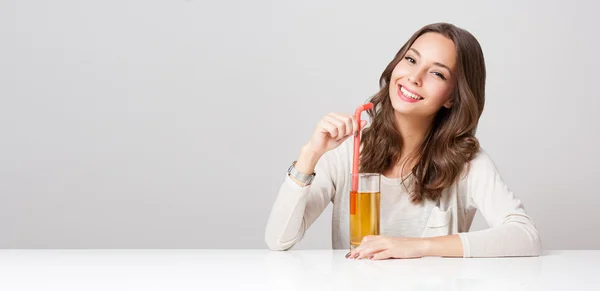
x=408, y=94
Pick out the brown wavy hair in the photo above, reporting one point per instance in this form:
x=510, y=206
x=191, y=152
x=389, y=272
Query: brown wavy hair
x=450, y=142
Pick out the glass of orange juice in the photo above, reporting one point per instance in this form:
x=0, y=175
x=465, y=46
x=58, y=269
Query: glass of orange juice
x=364, y=208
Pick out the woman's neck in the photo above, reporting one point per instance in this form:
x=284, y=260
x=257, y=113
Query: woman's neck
x=412, y=132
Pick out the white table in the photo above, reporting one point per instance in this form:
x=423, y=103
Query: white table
x=196, y=270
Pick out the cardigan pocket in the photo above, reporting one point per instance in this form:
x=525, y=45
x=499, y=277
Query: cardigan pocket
x=438, y=223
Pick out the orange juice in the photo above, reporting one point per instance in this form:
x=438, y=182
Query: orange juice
x=364, y=216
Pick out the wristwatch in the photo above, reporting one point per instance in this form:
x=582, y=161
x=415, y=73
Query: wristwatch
x=304, y=178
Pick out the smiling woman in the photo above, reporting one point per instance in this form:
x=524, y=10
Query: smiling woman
x=430, y=90
x=434, y=175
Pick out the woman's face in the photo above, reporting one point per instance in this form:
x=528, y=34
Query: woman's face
x=423, y=81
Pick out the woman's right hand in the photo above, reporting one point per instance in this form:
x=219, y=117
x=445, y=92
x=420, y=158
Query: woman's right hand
x=331, y=131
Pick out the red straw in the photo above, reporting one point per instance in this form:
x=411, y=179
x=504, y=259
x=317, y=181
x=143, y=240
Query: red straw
x=356, y=156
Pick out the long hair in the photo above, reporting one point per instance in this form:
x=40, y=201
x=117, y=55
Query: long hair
x=450, y=143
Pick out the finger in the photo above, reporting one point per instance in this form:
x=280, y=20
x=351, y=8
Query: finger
x=341, y=128
x=371, y=247
x=356, y=250
x=342, y=139
x=349, y=121
x=370, y=238
x=355, y=128
x=341, y=125
x=371, y=251
x=387, y=254
x=366, y=242
x=327, y=127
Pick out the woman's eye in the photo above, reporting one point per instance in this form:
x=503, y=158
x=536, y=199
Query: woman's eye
x=440, y=75
x=411, y=60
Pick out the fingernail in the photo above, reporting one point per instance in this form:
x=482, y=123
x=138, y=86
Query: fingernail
x=371, y=257
x=356, y=256
x=347, y=255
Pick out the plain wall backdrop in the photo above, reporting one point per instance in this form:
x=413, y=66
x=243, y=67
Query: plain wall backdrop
x=171, y=124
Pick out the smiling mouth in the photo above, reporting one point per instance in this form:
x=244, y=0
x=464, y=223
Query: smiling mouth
x=408, y=94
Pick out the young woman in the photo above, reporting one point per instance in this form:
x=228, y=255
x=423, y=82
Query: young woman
x=422, y=141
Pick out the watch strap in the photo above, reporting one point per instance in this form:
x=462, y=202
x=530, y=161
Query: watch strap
x=302, y=177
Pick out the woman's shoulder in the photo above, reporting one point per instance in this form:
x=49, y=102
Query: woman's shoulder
x=481, y=165
x=482, y=158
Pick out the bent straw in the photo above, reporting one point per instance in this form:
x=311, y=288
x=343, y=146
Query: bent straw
x=356, y=156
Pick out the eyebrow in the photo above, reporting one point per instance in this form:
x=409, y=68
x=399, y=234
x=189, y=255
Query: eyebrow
x=435, y=63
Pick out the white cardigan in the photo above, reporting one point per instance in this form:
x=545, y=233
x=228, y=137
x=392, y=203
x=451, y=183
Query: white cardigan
x=512, y=231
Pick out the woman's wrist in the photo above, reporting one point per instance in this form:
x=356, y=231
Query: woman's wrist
x=426, y=247
x=442, y=246
x=307, y=160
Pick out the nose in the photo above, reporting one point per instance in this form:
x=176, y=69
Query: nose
x=414, y=81
x=415, y=77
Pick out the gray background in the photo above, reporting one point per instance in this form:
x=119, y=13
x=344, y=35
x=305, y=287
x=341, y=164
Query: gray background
x=170, y=124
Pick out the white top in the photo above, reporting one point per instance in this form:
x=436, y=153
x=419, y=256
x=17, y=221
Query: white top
x=512, y=231
x=263, y=270
x=399, y=216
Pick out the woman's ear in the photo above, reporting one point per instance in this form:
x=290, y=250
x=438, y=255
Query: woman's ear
x=449, y=103
x=453, y=97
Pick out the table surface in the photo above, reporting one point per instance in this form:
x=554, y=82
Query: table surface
x=291, y=270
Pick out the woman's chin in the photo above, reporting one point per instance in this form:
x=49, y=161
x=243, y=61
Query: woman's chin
x=403, y=109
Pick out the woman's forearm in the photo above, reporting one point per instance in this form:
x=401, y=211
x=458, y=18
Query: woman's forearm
x=443, y=246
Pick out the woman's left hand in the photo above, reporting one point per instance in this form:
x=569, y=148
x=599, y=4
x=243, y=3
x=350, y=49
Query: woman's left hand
x=379, y=247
